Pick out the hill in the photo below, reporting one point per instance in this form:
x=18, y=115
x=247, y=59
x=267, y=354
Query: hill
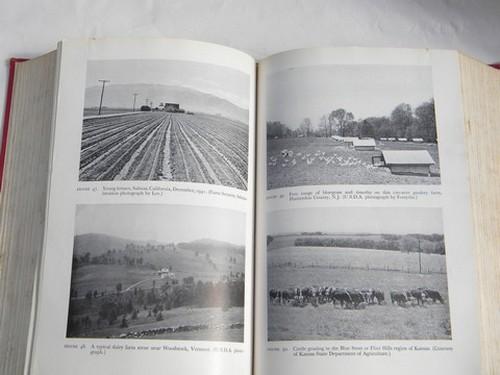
x=97, y=243
x=212, y=246
x=204, y=259
x=120, y=96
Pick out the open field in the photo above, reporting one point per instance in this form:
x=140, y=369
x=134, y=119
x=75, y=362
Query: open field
x=349, y=258
x=377, y=322
x=356, y=269
x=324, y=161
x=165, y=146
x=104, y=111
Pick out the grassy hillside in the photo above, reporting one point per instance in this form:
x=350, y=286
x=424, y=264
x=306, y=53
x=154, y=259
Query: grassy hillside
x=101, y=261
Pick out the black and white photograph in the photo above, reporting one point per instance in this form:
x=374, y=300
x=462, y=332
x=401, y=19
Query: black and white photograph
x=357, y=274
x=351, y=124
x=165, y=120
x=157, y=272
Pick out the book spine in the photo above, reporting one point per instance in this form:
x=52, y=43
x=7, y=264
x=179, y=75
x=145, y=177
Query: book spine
x=8, y=103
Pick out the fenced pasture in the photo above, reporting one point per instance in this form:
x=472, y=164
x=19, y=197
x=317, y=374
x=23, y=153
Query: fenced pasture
x=355, y=259
x=165, y=146
x=357, y=269
x=324, y=161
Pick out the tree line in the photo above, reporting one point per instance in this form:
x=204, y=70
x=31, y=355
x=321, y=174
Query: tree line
x=403, y=122
x=410, y=243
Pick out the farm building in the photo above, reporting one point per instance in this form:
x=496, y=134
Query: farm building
x=408, y=162
x=349, y=140
x=364, y=144
x=171, y=107
x=166, y=273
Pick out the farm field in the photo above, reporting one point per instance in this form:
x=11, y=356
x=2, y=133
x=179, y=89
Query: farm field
x=209, y=324
x=165, y=146
x=298, y=267
x=324, y=161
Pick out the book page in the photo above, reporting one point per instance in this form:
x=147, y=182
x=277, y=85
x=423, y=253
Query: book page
x=148, y=253
x=364, y=258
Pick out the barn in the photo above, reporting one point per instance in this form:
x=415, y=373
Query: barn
x=364, y=144
x=406, y=162
x=171, y=107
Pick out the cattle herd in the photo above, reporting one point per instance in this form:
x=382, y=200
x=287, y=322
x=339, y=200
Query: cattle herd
x=351, y=298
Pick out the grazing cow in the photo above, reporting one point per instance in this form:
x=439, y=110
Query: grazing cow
x=287, y=296
x=367, y=295
x=432, y=294
x=341, y=296
x=347, y=298
x=273, y=294
x=417, y=294
x=357, y=297
x=325, y=294
x=379, y=296
x=308, y=294
x=398, y=298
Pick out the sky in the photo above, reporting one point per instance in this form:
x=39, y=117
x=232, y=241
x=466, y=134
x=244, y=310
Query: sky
x=226, y=83
x=374, y=220
x=364, y=90
x=162, y=223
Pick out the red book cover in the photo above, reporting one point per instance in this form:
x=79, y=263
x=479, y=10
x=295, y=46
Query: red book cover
x=8, y=102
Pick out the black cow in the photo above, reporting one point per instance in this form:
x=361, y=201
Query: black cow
x=309, y=294
x=273, y=295
x=432, y=294
x=341, y=296
x=398, y=298
x=347, y=298
x=379, y=296
x=287, y=296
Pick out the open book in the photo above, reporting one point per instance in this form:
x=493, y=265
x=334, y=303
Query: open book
x=174, y=206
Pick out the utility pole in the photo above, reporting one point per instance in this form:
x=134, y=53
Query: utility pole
x=419, y=257
x=135, y=98
x=102, y=92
